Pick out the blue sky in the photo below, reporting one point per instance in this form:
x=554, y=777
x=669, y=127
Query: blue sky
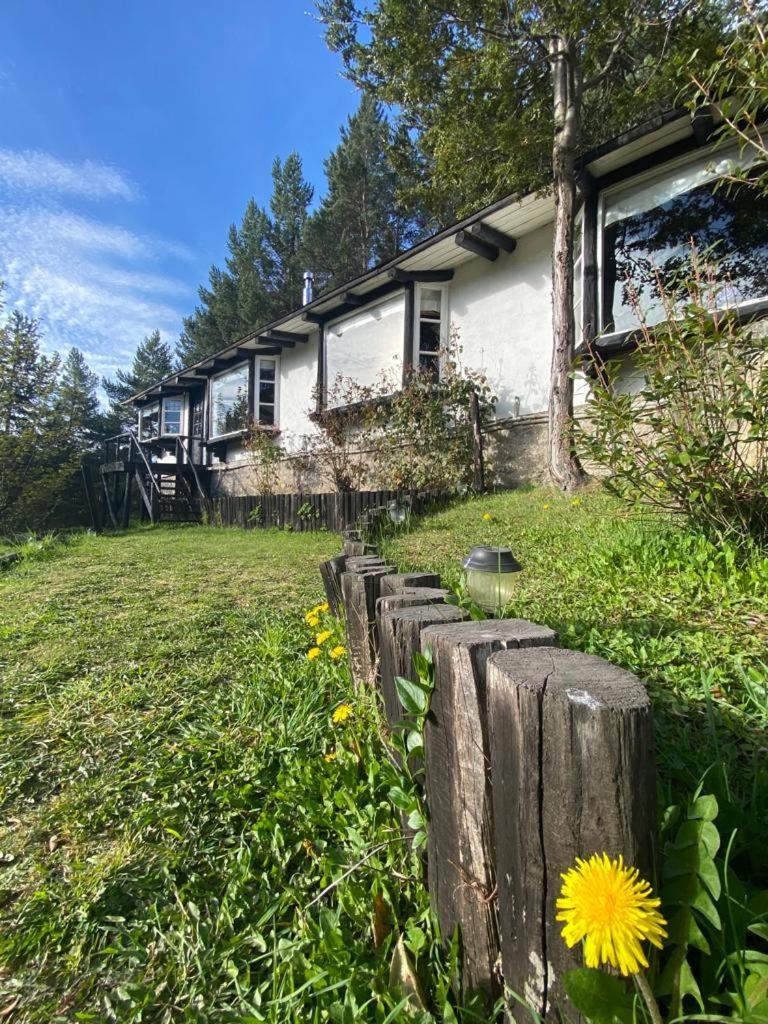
x=131, y=136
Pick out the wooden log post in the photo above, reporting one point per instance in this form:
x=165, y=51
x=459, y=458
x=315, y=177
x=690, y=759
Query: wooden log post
x=572, y=762
x=360, y=591
x=330, y=572
x=410, y=597
x=400, y=632
x=400, y=580
x=359, y=563
x=462, y=878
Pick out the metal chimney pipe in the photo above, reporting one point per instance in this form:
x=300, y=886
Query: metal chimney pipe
x=309, y=280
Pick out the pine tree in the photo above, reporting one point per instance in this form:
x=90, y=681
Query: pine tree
x=289, y=205
x=361, y=220
x=27, y=379
x=77, y=405
x=152, y=361
x=264, y=272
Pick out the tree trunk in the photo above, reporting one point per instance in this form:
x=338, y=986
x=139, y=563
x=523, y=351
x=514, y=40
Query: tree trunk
x=564, y=466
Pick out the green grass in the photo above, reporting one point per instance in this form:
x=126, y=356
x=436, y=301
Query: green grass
x=185, y=834
x=690, y=618
x=169, y=817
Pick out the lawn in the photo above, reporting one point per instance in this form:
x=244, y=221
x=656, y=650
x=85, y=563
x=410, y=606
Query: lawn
x=186, y=833
x=175, y=794
x=689, y=617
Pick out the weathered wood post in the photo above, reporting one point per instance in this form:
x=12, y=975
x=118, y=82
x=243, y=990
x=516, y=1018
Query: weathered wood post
x=360, y=591
x=400, y=632
x=462, y=878
x=331, y=571
x=399, y=581
x=572, y=762
x=478, y=462
x=410, y=597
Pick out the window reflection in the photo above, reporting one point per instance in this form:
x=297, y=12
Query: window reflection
x=229, y=401
x=651, y=248
x=149, y=422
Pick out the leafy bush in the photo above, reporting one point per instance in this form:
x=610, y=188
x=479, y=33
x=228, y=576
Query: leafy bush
x=693, y=440
x=414, y=437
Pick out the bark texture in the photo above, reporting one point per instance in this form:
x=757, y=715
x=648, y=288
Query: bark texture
x=462, y=877
x=572, y=762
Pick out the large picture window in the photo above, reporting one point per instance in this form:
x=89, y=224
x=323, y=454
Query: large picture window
x=647, y=230
x=265, y=403
x=149, y=422
x=229, y=401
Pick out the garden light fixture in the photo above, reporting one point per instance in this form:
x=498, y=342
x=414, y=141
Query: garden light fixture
x=491, y=576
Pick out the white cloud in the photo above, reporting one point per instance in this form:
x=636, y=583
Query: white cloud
x=92, y=284
x=30, y=171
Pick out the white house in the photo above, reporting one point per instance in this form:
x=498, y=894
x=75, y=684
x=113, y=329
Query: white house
x=645, y=195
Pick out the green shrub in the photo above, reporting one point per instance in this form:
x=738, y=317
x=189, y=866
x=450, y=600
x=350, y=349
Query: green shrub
x=692, y=440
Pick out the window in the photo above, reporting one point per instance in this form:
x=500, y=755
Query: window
x=430, y=329
x=172, y=415
x=265, y=399
x=149, y=422
x=229, y=401
x=646, y=233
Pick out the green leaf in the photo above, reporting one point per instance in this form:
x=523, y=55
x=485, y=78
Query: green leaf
x=598, y=996
x=704, y=808
x=684, y=931
x=688, y=891
x=411, y=696
x=694, y=860
x=694, y=832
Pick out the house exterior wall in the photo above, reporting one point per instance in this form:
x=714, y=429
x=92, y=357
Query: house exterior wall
x=366, y=345
x=502, y=312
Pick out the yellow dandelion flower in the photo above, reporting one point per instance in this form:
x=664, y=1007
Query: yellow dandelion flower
x=312, y=653
x=338, y=652
x=576, y=502
x=341, y=714
x=312, y=620
x=613, y=909
x=545, y=506
x=324, y=607
x=487, y=517
x=330, y=757
x=322, y=637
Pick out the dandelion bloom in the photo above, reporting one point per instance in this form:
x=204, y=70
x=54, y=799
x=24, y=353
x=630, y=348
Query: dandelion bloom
x=341, y=714
x=487, y=517
x=338, y=652
x=607, y=904
x=312, y=620
x=312, y=653
x=324, y=607
x=322, y=637
x=330, y=757
x=545, y=507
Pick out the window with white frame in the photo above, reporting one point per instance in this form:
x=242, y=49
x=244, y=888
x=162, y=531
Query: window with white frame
x=266, y=388
x=647, y=226
x=431, y=328
x=229, y=401
x=172, y=410
x=149, y=422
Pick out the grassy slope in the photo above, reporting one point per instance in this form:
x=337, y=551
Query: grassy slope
x=685, y=616
x=168, y=812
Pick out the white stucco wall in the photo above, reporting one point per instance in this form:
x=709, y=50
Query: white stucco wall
x=367, y=344
x=503, y=314
x=298, y=378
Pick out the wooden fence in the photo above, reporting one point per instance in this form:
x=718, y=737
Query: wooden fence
x=303, y=511
x=533, y=756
